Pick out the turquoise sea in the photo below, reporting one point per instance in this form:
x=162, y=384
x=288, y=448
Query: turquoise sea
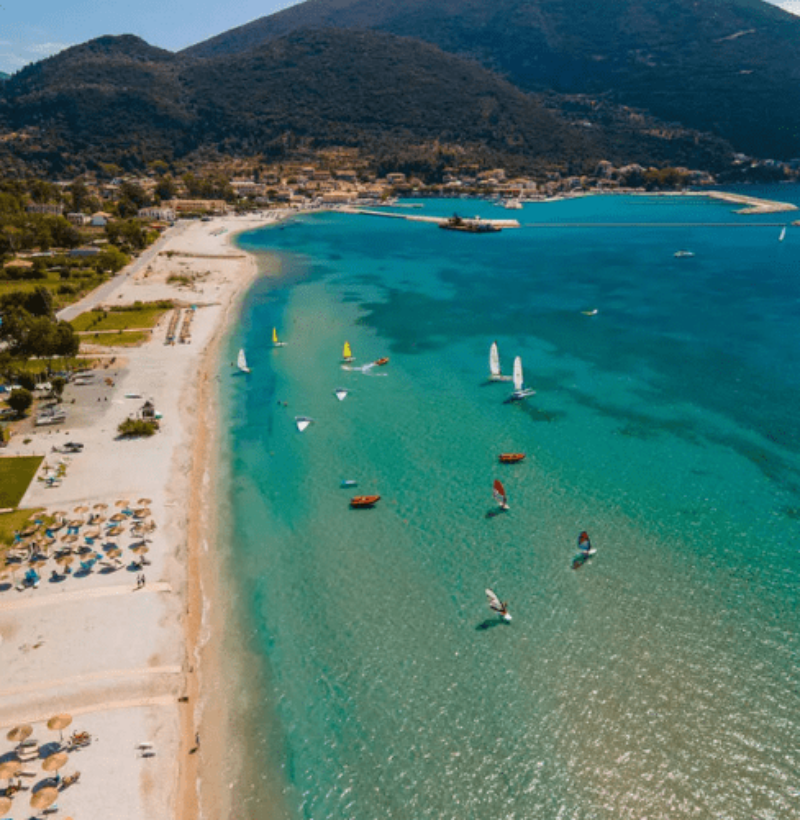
x=661, y=679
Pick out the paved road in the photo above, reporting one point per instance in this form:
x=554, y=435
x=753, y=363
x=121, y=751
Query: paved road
x=102, y=294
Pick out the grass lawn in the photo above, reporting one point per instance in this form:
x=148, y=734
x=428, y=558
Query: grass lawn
x=145, y=316
x=83, y=285
x=121, y=339
x=16, y=473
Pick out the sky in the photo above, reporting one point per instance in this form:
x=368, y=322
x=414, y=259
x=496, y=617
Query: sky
x=31, y=30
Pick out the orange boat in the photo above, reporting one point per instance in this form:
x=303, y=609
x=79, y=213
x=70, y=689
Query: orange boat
x=364, y=500
x=511, y=458
x=384, y=360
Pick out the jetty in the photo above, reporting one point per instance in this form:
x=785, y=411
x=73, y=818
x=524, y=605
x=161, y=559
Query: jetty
x=436, y=220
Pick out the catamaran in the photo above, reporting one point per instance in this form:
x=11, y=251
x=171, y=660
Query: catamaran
x=520, y=391
x=241, y=362
x=783, y=234
x=275, y=342
x=499, y=493
x=495, y=374
x=347, y=353
x=302, y=422
x=498, y=606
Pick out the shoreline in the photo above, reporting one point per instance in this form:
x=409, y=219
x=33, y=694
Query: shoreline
x=201, y=790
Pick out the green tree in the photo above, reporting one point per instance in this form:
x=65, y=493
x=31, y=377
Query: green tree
x=111, y=259
x=57, y=384
x=20, y=401
x=80, y=195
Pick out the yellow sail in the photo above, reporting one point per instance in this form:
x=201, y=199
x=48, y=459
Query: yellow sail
x=274, y=336
x=347, y=354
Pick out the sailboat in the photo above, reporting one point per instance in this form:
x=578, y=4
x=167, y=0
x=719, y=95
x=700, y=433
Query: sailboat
x=302, y=422
x=241, y=362
x=520, y=391
x=783, y=234
x=275, y=342
x=499, y=493
x=340, y=393
x=498, y=606
x=495, y=374
x=347, y=353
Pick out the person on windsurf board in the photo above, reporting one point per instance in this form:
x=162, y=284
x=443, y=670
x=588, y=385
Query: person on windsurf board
x=498, y=606
x=584, y=544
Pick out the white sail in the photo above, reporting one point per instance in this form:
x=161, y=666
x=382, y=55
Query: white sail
x=517, y=374
x=241, y=362
x=302, y=422
x=783, y=234
x=340, y=393
x=494, y=361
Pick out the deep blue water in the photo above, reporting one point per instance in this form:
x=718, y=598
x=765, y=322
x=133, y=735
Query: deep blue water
x=660, y=680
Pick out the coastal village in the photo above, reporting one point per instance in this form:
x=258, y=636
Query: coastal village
x=105, y=526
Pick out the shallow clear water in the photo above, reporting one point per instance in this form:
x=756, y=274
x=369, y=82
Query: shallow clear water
x=660, y=680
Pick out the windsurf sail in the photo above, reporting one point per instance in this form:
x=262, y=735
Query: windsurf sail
x=347, y=353
x=783, y=234
x=494, y=362
x=584, y=544
x=340, y=393
x=499, y=493
x=241, y=362
x=494, y=601
x=275, y=341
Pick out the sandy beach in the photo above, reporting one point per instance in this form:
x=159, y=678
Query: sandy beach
x=120, y=658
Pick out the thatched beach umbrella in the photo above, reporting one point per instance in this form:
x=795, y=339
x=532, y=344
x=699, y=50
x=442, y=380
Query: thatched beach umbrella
x=100, y=506
x=145, y=501
x=114, y=532
x=121, y=503
x=142, y=513
x=59, y=722
x=28, y=531
x=55, y=762
x=9, y=769
x=20, y=733
x=140, y=548
x=44, y=798
x=93, y=533
x=81, y=509
x=70, y=539
x=5, y=805
x=118, y=517
x=113, y=552
x=65, y=560
x=77, y=522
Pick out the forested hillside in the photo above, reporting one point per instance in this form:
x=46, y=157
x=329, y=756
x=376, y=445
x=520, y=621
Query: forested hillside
x=730, y=67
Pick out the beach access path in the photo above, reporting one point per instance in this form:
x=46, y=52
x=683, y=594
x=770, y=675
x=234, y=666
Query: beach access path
x=113, y=655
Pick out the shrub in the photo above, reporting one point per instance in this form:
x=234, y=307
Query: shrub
x=131, y=428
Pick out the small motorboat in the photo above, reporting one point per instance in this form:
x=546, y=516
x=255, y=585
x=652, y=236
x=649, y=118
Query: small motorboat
x=511, y=458
x=364, y=500
x=349, y=482
x=683, y=254
x=383, y=361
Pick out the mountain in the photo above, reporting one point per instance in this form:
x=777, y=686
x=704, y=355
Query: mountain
x=405, y=102
x=722, y=66
x=111, y=93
